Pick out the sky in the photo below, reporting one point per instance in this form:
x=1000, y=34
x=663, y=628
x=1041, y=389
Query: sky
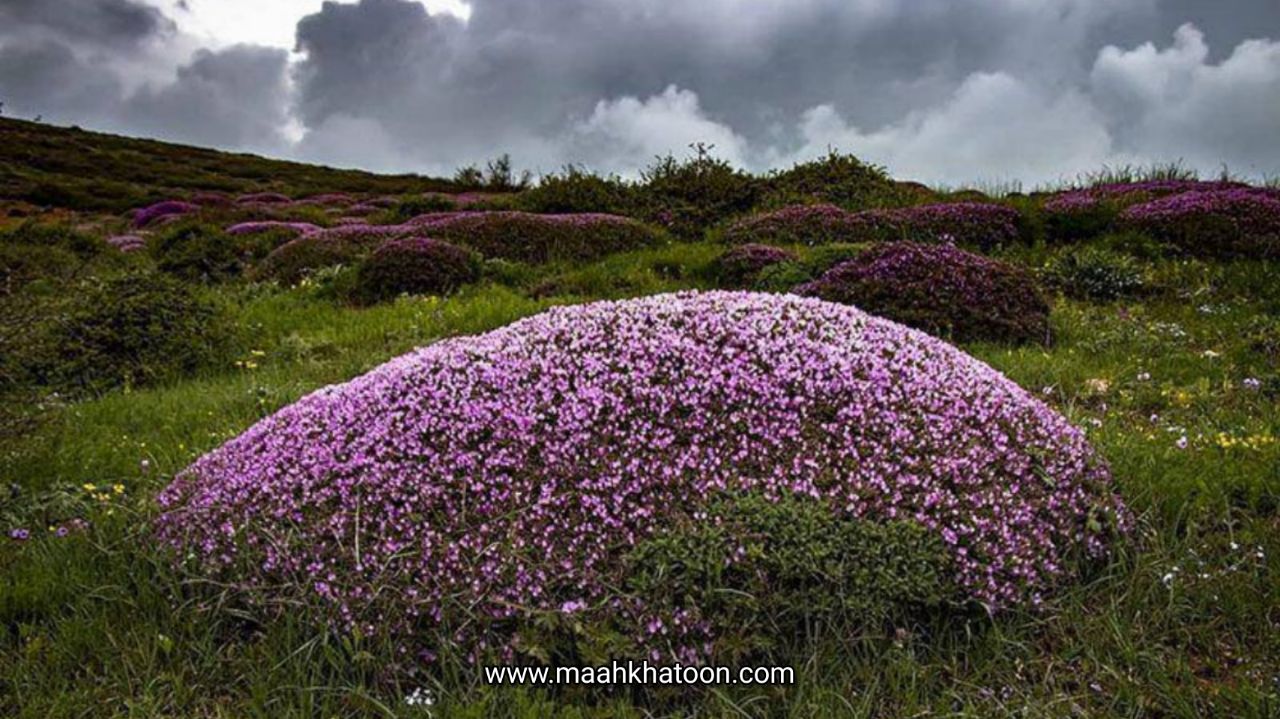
x=949, y=92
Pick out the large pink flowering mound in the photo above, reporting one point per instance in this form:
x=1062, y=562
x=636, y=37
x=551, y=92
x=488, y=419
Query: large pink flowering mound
x=469, y=484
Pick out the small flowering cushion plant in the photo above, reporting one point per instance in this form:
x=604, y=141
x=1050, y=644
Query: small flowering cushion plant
x=169, y=208
x=415, y=265
x=940, y=289
x=739, y=267
x=296, y=259
x=977, y=224
x=458, y=493
x=1241, y=222
x=798, y=225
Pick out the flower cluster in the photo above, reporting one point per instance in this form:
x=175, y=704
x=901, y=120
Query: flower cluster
x=529, y=237
x=415, y=265
x=740, y=266
x=980, y=224
x=1242, y=222
x=264, y=226
x=455, y=492
x=127, y=243
x=940, y=289
x=168, y=208
x=1085, y=212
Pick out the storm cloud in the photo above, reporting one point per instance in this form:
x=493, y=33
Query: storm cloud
x=945, y=91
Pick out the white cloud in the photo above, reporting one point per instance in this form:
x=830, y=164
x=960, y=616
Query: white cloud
x=625, y=134
x=993, y=127
x=1172, y=103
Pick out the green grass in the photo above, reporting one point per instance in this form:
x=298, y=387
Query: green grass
x=97, y=624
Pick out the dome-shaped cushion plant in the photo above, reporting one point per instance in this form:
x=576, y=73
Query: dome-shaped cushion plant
x=415, y=265
x=740, y=266
x=457, y=490
x=940, y=289
x=1240, y=222
x=798, y=225
x=291, y=262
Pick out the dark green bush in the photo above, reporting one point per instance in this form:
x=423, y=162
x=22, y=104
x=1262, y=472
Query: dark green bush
x=197, y=252
x=132, y=329
x=576, y=190
x=765, y=574
x=836, y=179
x=416, y=265
x=1095, y=273
x=33, y=251
x=296, y=259
x=689, y=196
x=782, y=277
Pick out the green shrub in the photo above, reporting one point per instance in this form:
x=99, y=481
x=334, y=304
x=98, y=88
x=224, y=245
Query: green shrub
x=197, y=252
x=688, y=197
x=758, y=572
x=782, y=277
x=1095, y=273
x=576, y=191
x=415, y=265
x=836, y=179
x=410, y=207
x=132, y=329
x=818, y=260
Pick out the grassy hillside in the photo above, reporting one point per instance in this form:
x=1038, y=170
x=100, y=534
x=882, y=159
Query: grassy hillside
x=72, y=168
x=119, y=368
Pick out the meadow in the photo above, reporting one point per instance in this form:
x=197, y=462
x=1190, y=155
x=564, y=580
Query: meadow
x=142, y=330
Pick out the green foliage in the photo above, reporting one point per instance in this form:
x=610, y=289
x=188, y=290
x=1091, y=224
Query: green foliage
x=782, y=277
x=68, y=167
x=836, y=179
x=689, y=196
x=576, y=190
x=766, y=573
x=415, y=266
x=132, y=329
x=1095, y=273
x=197, y=252
x=408, y=208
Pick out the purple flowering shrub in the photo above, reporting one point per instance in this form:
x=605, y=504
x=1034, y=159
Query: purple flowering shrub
x=740, y=266
x=169, y=208
x=941, y=290
x=977, y=224
x=1091, y=211
x=463, y=492
x=265, y=226
x=798, y=225
x=1242, y=222
x=980, y=224
x=291, y=262
x=127, y=243
x=527, y=237
x=415, y=265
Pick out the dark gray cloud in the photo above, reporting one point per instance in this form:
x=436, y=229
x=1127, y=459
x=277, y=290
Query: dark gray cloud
x=943, y=90
x=235, y=97
x=102, y=22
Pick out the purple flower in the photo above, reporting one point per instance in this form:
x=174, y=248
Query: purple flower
x=19, y=535
x=168, y=208
x=259, y=227
x=1240, y=222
